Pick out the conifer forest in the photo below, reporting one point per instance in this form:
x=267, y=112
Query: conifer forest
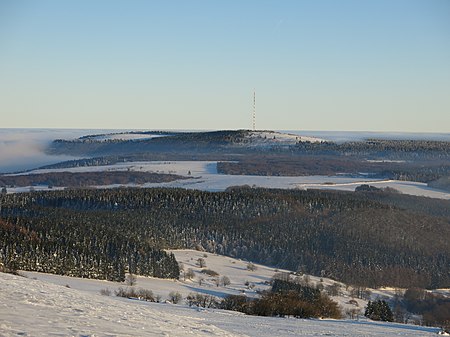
x=367, y=238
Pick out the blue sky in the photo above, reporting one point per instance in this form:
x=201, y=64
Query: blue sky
x=315, y=65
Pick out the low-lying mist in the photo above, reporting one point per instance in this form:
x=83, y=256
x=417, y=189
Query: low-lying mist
x=24, y=149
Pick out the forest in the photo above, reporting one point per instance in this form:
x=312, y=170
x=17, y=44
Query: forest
x=292, y=165
x=442, y=183
x=85, y=179
x=362, y=238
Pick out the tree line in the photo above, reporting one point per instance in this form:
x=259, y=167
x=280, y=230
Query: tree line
x=77, y=244
x=85, y=179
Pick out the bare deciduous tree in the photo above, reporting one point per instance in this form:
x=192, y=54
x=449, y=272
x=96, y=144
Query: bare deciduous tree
x=225, y=280
x=131, y=280
x=189, y=274
x=201, y=262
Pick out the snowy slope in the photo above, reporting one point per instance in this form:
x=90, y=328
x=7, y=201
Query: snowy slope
x=35, y=308
x=242, y=281
x=45, y=304
x=234, y=269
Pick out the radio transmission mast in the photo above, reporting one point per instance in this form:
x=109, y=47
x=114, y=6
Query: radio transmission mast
x=254, y=110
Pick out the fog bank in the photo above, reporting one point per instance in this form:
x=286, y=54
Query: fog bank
x=24, y=149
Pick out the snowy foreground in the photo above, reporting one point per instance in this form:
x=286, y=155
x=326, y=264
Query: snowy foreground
x=52, y=305
x=36, y=308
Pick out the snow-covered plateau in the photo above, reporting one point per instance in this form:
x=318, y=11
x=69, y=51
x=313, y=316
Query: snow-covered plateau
x=51, y=305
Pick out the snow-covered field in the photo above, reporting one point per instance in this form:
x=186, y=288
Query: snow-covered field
x=22, y=148
x=263, y=138
x=52, y=305
x=205, y=177
x=126, y=136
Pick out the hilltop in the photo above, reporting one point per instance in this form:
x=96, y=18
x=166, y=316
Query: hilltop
x=225, y=142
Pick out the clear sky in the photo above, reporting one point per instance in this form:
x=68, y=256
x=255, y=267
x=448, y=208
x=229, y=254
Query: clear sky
x=381, y=65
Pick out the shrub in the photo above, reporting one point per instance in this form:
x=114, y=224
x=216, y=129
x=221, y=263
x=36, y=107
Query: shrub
x=189, y=274
x=434, y=308
x=199, y=300
x=210, y=272
x=251, y=267
x=146, y=295
x=11, y=268
x=283, y=276
x=286, y=299
x=105, y=292
x=141, y=294
x=235, y=303
x=175, y=297
x=289, y=298
x=121, y=292
x=225, y=280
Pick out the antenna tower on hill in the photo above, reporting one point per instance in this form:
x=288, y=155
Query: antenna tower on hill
x=254, y=110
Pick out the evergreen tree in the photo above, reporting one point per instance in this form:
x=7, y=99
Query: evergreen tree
x=379, y=311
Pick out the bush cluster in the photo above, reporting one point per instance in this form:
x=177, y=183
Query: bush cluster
x=434, y=308
x=140, y=294
x=286, y=298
